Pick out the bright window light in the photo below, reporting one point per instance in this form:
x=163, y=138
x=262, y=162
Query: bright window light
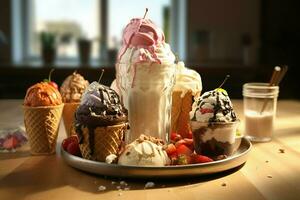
x=69, y=20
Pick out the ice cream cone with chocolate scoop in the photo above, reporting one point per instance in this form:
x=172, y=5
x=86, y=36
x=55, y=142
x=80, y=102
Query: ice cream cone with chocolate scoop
x=42, y=113
x=100, y=122
x=188, y=85
x=71, y=91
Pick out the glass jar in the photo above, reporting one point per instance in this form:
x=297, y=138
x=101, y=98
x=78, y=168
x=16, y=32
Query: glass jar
x=260, y=102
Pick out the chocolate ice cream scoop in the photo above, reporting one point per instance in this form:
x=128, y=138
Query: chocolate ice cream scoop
x=100, y=106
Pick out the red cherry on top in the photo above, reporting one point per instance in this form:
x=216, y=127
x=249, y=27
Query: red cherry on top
x=53, y=84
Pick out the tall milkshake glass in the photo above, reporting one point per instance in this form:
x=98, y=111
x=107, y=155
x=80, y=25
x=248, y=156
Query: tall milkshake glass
x=145, y=75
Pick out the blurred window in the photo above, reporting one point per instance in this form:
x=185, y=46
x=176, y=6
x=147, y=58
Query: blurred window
x=69, y=20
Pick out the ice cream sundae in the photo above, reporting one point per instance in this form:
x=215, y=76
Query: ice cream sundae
x=145, y=73
x=214, y=123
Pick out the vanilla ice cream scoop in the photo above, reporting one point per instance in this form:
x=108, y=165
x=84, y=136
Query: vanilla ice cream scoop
x=187, y=80
x=73, y=87
x=213, y=106
x=144, y=153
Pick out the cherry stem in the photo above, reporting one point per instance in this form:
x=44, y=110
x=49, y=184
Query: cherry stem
x=226, y=78
x=50, y=73
x=101, y=76
x=145, y=13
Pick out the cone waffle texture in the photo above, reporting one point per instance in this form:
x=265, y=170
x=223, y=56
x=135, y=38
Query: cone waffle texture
x=68, y=117
x=181, y=107
x=42, y=124
x=107, y=140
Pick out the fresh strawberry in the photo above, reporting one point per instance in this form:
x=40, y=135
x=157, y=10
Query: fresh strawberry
x=187, y=142
x=175, y=137
x=206, y=110
x=190, y=135
x=68, y=141
x=73, y=148
x=10, y=143
x=182, y=149
x=171, y=149
x=196, y=158
x=184, y=159
x=179, y=142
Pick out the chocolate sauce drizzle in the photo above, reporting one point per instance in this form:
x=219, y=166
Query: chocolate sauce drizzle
x=100, y=107
x=222, y=105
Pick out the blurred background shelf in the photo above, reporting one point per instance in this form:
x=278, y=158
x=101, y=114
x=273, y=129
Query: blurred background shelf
x=16, y=78
x=243, y=38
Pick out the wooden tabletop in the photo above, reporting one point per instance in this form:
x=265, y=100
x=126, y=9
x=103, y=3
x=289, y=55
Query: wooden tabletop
x=268, y=174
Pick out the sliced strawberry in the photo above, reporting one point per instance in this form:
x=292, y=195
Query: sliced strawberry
x=206, y=110
x=190, y=135
x=182, y=149
x=180, y=142
x=200, y=159
x=175, y=137
x=187, y=142
x=68, y=141
x=171, y=149
x=10, y=143
x=73, y=148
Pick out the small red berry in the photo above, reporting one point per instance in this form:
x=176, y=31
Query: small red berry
x=68, y=141
x=206, y=110
x=10, y=143
x=53, y=84
x=73, y=148
x=175, y=137
x=200, y=158
x=190, y=135
x=171, y=149
x=182, y=149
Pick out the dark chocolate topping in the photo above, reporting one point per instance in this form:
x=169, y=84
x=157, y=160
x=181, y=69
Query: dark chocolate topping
x=100, y=106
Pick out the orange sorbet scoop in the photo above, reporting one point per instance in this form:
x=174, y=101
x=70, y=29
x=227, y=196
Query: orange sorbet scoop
x=42, y=94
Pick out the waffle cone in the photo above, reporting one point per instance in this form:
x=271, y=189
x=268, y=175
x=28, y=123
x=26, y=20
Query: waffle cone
x=107, y=140
x=68, y=117
x=42, y=125
x=181, y=107
x=176, y=109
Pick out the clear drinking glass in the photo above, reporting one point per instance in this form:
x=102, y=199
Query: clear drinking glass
x=148, y=97
x=260, y=102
